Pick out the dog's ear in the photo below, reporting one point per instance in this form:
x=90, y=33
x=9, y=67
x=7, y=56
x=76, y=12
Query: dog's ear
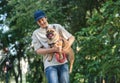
x=54, y=27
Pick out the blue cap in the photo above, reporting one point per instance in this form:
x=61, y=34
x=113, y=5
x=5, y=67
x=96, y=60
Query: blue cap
x=38, y=15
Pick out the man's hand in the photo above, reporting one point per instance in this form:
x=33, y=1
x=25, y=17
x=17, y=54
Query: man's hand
x=57, y=48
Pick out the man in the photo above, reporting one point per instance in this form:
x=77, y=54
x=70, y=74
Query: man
x=55, y=71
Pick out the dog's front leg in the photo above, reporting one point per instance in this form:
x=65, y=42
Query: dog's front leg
x=60, y=53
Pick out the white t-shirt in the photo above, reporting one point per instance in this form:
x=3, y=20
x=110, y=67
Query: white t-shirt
x=39, y=40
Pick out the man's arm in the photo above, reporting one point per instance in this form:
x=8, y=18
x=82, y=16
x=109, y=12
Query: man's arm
x=55, y=49
x=69, y=44
x=71, y=40
x=47, y=50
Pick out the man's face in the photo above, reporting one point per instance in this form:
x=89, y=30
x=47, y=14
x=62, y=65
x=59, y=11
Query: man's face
x=42, y=22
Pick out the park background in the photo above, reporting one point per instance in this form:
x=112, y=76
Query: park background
x=94, y=23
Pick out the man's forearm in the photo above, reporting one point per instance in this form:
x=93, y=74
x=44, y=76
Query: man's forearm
x=45, y=51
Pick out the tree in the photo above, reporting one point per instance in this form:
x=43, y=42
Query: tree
x=84, y=18
x=99, y=45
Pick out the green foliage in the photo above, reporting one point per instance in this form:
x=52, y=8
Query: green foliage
x=99, y=44
x=36, y=70
x=94, y=23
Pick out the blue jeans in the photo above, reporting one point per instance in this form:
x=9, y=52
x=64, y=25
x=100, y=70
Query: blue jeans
x=57, y=74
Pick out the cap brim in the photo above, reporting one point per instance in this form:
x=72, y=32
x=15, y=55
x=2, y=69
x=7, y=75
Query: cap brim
x=39, y=18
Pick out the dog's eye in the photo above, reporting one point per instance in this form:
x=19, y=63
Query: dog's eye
x=48, y=31
x=51, y=31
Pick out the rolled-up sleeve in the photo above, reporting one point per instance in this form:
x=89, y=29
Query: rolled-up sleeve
x=64, y=32
x=35, y=42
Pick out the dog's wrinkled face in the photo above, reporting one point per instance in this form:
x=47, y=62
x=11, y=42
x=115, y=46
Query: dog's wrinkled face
x=50, y=34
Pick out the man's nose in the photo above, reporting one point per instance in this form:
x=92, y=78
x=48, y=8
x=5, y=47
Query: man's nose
x=41, y=22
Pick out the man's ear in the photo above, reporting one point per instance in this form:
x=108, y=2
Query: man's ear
x=46, y=17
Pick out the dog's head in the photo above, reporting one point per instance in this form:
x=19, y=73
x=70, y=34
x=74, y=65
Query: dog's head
x=50, y=34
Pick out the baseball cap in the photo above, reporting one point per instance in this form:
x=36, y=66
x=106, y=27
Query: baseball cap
x=38, y=15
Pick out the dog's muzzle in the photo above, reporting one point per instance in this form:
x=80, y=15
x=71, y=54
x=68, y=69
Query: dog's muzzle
x=49, y=35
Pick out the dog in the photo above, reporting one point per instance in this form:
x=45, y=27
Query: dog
x=56, y=39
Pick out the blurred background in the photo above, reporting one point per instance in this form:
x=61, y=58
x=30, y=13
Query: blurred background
x=94, y=23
